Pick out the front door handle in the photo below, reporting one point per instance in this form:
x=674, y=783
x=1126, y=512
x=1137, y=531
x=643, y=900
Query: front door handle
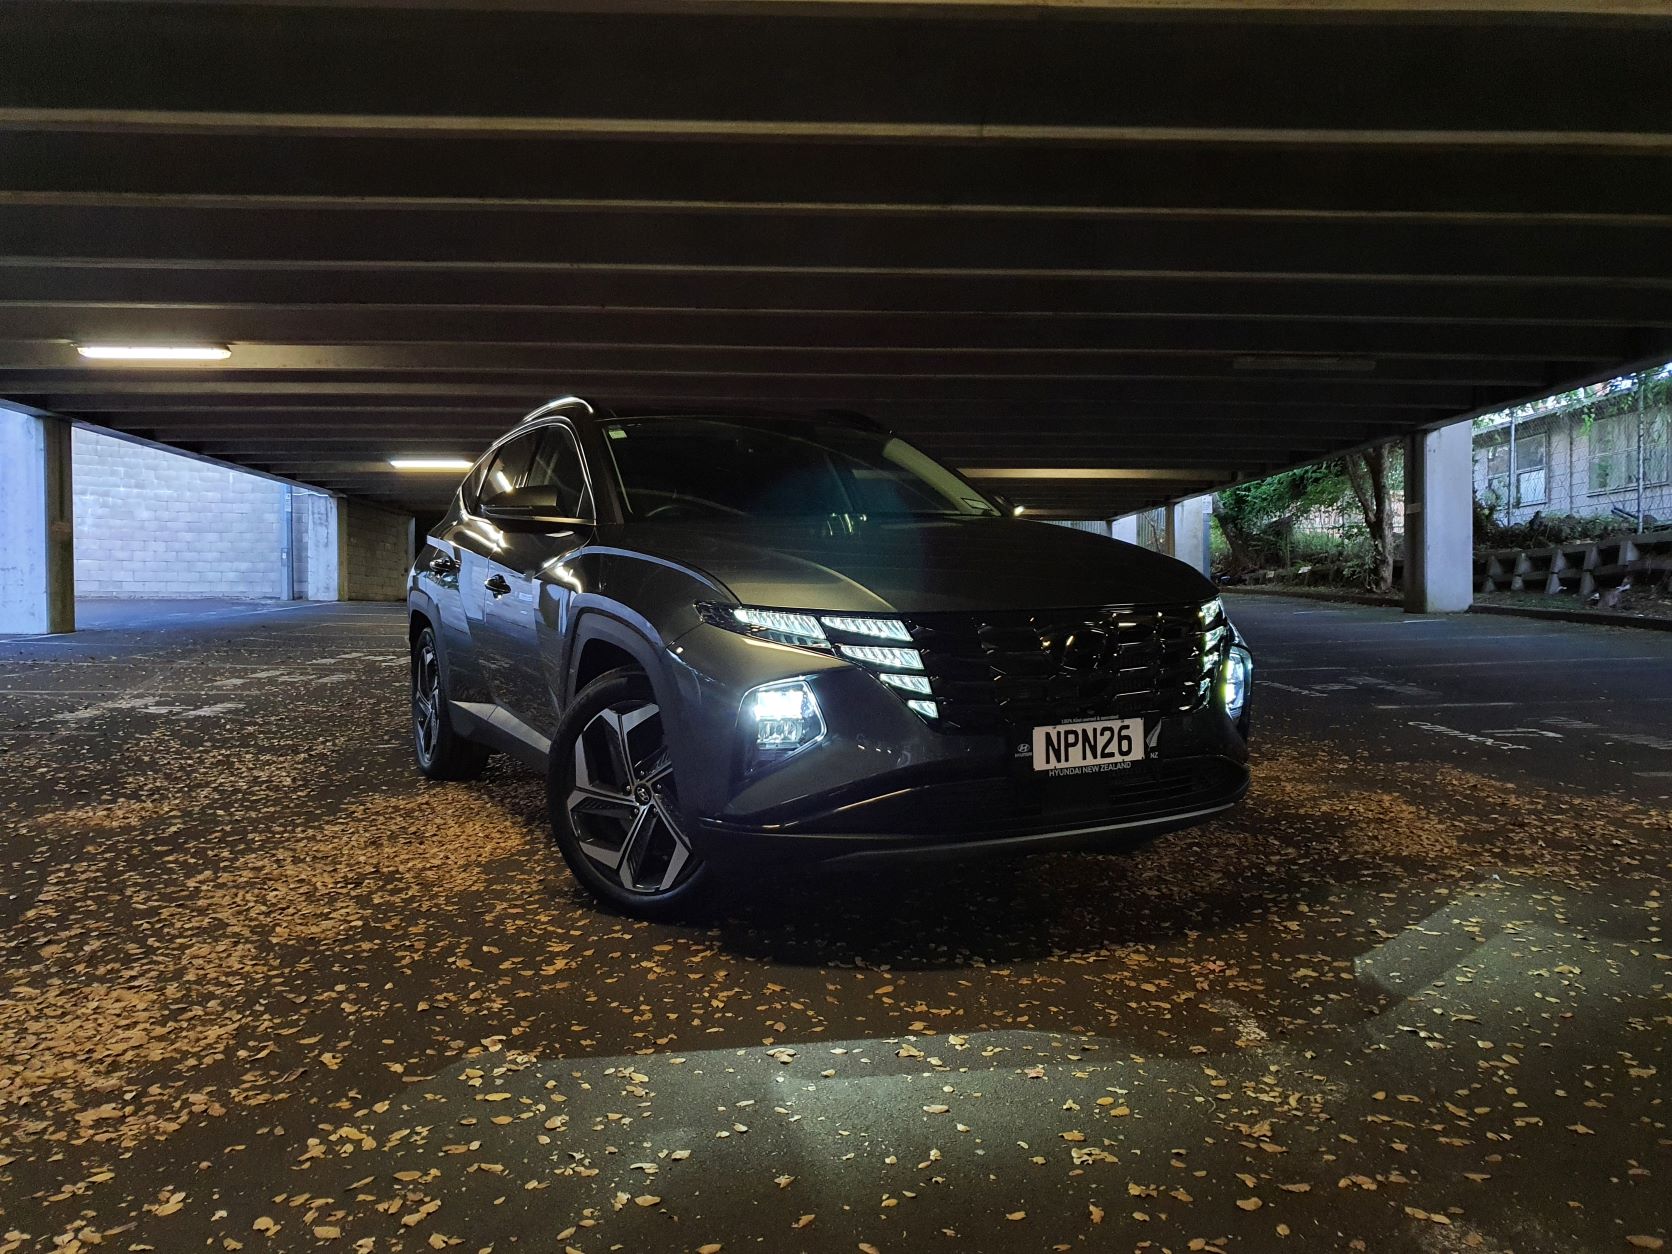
x=497, y=585
x=444, y=566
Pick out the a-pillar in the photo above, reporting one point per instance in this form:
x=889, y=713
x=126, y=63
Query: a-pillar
x=37, y=536
x=1439, y=520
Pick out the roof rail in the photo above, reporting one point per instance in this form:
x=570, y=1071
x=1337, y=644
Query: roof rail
x=560, y=404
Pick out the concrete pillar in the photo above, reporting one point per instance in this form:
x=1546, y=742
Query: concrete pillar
x=37, y=534
x=322, y=545
x=1439, y=520
x=1187, y=531
x=1125, y=528
x=1169, y=531
x=339, y=512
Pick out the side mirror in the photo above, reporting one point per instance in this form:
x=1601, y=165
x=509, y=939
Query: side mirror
x=524, y=519
x=1007, y=506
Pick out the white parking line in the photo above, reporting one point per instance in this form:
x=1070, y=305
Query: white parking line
x=1489, y=705
x=1505, y=661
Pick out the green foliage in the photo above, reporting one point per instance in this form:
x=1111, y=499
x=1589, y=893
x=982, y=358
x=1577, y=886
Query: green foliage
x=1541, y=530
x=1259, y=522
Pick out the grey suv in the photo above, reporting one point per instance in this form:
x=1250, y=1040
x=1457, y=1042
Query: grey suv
x=728, y=639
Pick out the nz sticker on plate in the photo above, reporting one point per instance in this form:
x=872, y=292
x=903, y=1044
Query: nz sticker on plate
x=1096, y=746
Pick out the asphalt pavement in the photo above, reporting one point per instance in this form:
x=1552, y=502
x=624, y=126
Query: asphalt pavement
x=266, y=989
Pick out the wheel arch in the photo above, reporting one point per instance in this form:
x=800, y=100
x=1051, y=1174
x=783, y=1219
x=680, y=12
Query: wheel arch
x=604, y=643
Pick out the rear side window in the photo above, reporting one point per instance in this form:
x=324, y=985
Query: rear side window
x=540, y=472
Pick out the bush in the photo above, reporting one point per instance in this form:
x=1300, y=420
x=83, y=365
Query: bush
x=1542, y=530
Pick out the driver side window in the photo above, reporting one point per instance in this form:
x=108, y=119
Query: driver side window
x=507, y=472
x=539, y=472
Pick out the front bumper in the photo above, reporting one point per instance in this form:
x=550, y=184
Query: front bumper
x=884, y=783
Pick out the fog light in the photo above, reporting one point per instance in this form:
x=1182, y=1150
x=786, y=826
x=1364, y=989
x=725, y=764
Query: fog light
x=1234, y=680
x=780, y=719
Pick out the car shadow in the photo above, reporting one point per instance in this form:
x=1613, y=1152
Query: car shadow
x=1212, y=879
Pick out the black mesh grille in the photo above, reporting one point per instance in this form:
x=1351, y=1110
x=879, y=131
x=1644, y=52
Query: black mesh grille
x=1001, y=671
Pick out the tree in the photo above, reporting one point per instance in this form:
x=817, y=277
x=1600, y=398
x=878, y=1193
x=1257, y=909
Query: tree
x=1367, y=473
x=1257, y=518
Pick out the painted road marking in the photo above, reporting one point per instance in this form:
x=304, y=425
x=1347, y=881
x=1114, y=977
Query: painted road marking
x=1304, y=692
x=1272, y=668
x=1442, y=730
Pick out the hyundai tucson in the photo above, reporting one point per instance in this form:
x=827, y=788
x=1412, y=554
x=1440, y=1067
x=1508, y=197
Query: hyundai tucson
x=732, y=639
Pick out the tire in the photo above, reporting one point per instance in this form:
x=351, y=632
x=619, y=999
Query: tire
x=440, y=751
x=615, y=817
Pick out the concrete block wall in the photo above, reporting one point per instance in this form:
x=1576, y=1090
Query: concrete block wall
x=152, y=523
x=379, y=552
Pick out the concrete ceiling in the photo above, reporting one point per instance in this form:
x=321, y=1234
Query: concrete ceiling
x=1156, y=244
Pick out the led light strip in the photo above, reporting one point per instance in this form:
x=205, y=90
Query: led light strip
x=881, y=628
x=911, y=683
x=883, y=655
x=801, y=626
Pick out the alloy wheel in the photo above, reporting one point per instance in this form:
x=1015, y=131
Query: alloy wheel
x=621, y=803
x=426, y=702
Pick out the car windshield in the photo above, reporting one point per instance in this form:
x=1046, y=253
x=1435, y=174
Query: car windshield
x=720, y=468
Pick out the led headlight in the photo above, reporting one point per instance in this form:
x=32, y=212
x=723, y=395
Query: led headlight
x=781, y=625
x=1235, y=676
x=779, y=719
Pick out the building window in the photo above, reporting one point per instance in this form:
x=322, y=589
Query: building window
x=1531, y=452
x=1613, y=448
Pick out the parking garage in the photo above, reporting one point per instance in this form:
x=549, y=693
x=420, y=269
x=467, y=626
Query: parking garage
x=267, y=988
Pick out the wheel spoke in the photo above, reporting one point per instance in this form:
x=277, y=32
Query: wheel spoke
x=634, y=848
x=624, y=725
x=679, y=855
x=582, y=793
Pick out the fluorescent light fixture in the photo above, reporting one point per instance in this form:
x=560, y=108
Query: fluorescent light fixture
x=154, y=352
x=1092, y=472
x=431, y=463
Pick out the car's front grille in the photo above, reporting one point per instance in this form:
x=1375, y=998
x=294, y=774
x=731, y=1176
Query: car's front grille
x=1005, y=671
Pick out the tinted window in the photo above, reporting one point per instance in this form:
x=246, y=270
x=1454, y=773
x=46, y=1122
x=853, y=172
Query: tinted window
x=541, y=472
x=507, y=471
x=715, y=467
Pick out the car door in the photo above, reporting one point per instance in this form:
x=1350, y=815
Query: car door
x=523, y=598
x=480, y=574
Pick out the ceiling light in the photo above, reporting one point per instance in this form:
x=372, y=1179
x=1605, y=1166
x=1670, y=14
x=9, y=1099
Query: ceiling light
x=431, y=463
x=1302, y=361
x=154, y=352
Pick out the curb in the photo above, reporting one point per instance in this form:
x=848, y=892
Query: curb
x=1596, y=618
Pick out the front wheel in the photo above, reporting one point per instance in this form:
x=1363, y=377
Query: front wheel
x=610, y=791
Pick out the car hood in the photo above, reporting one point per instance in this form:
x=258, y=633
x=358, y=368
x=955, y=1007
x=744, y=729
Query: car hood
x=919, y=565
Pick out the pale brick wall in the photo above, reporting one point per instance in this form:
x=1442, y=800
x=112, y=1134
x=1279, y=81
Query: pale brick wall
x=378, y=556
x=152, y=523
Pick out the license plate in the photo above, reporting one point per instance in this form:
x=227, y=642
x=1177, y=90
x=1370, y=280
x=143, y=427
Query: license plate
x=1088, y=746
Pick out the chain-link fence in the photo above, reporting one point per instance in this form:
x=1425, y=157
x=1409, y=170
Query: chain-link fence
x=1579, y=465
